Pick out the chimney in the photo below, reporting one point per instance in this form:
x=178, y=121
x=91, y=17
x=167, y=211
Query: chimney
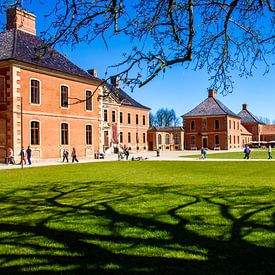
x=115, y=81
x=212, y=93
x=20, y=19
x=93, y=72
x=245, y=107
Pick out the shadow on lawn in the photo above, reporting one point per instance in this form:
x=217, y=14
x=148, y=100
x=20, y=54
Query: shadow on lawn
x=71, y=250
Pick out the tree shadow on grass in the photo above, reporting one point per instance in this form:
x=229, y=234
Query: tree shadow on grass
x=51, y=243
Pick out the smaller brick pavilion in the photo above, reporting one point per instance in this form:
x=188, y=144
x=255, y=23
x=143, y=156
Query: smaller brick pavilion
x=214, y=126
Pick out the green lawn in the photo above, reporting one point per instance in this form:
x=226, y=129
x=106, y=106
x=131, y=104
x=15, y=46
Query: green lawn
x=139, y=218
x=255, y=154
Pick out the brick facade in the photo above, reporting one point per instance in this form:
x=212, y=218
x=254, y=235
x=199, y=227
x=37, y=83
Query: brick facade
x=48, y=87
x=166, y=138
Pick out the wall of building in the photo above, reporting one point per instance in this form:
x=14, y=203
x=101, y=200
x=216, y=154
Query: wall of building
x=206, y=131
x=165, y=140
x=234, y=133
x=118, y=131
x=6, y=118
x=50, y=114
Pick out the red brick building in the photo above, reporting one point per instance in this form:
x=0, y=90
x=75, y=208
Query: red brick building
x=259, y=130
x=212, y=125
x=48, y=85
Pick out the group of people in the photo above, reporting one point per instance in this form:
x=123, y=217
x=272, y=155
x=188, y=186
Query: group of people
x=124, y=153
x=66, y=155
x=26, y=156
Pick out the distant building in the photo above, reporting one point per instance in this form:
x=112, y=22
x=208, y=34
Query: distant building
x=166, y=138
x=212, y=125
x=125, y=121
x=251, y=123
x=260, y=131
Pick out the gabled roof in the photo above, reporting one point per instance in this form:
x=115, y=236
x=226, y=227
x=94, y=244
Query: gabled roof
x=244, y=131
x=124, y=98
x=247, y=117
x=210, y=107
x=25, y=47
x=28, y=48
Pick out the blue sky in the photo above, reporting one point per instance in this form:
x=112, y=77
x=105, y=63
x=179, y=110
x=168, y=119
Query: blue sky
x=178, y=88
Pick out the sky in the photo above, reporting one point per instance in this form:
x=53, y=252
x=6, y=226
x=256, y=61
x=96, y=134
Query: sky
x=179, y=89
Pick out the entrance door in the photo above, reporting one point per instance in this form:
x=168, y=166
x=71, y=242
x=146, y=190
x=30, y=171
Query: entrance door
x=204, y=142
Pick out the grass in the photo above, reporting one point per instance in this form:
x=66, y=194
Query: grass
x=255, y=154
x=139, y=217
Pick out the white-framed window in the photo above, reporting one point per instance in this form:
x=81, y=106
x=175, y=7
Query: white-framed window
x=159, y=139
x=129, y=137
x=89, y=100
x=105, y=115
x=176, y=138
x=129, y=118
x=35, y=91
x=167, y=139
x=64, y=132
x=113, y=116
x=64, y=96
x=35, y=132
x=89, y=134
x=143, y=120
x=120, y=117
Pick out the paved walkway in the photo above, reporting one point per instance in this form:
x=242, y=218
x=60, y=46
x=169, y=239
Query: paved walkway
x=165, y=155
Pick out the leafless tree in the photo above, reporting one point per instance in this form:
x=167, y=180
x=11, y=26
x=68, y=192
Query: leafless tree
x=165, y=117
x=223, y=37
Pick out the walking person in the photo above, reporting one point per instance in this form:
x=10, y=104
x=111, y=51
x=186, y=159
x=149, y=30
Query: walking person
x=126, y=152
x=29, y=155
x=65, y=155
x=23, y=156
x=203, y=153
x=74, y=155
x=11, y=157
x=269, y=151
x=246, y=152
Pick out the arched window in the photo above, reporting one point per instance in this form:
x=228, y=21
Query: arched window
x=89, y=133
x=159, y=139
x=167, y=139
x=64, y=96
x=192, y=125
x=35, y=133
x=35, y=91
x=64, y=134
x=89, y=101
x=176, y=138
